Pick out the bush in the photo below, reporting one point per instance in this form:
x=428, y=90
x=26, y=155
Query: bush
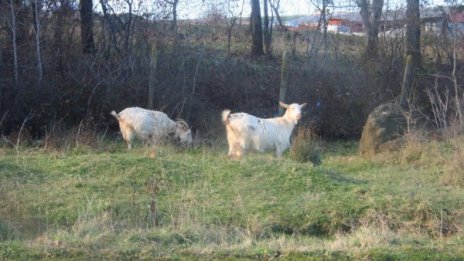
x=305, y=147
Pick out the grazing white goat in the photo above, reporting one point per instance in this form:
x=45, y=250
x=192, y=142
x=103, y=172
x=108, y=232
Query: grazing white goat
x=150, y=126
x=245, y=131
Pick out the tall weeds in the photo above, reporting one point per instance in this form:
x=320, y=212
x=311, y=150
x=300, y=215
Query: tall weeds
x=305, y=147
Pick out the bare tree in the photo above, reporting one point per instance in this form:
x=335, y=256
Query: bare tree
x=225, y=13
x=121, y=27
x=128, y=27
x=13, y=28
x=86, y=12
x=152, y=77
x=62, y=11
x=412, y=51
x=371, y=11
x=1, y=77
x=267, y=29
x=275, y=4
x=37, y=6
x=114, y=23
x=457, y=92
x=320, y=36
x=231, y=21
x=174, y=4
x=256, y=29
x=413, y=32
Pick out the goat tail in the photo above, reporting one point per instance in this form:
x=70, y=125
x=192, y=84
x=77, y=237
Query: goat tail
x=225, y=116
x=115, y=115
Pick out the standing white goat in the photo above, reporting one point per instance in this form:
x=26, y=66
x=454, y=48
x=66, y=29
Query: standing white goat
x=151, y=126
x=245, y=131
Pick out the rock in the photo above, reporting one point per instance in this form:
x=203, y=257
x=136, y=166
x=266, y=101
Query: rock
x=383, y=128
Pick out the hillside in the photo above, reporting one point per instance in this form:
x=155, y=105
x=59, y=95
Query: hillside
x=108, y=203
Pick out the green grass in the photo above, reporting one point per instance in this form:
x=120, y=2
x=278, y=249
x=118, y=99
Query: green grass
x=86, y=203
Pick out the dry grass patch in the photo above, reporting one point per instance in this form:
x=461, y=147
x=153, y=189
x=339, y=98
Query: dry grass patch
x=453, y=173
x=305, y=147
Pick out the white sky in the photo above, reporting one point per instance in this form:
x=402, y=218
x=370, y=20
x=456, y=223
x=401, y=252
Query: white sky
x=190, y=9
x=196, y=8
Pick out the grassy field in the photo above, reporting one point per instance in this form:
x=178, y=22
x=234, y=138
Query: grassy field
x=110, y=203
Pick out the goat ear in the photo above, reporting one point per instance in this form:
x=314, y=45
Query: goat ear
x=283, y=105
x=303, y=105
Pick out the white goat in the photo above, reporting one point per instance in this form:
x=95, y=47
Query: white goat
x=150, y=126
x=245, y=131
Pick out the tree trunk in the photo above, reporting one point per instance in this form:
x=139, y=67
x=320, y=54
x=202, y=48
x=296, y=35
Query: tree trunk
x=1, y=77
x=283, y=81
x=173, y=27
x=413, y=49
x=457, y=92
x=323, y=22
x=405, y=95
x=413, y=32
x=59, y=15
x=230, y=27
x=14, y=40
x=267, y=29
x=112, y=34
x=294, y=36
x=371, y=13
x=256, y=29
x=152, y=77
x=86, y=12
x=37, y=6
x=128, y=31
x=174, y=16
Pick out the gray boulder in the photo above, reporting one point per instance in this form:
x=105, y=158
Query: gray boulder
x=384, y=127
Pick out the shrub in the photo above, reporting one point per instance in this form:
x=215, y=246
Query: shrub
x=305, y=147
